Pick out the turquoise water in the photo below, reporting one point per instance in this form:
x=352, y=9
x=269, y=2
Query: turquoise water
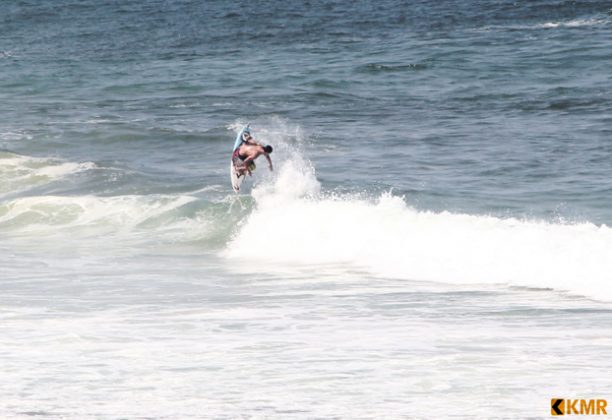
x=434, y=240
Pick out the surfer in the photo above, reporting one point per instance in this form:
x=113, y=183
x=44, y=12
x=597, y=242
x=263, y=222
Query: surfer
x=245, y=155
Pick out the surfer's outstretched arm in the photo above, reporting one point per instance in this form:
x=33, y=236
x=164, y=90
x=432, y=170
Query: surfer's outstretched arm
x=269, y=161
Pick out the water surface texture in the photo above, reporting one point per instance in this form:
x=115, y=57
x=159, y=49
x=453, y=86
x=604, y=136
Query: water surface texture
x=434, y=240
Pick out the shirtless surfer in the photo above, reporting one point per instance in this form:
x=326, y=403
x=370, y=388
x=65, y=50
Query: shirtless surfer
x=245, y=155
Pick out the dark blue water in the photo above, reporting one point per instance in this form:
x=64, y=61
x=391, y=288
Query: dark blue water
x=488, y=107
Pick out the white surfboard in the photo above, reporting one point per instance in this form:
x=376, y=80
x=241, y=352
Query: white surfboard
x=234, y=177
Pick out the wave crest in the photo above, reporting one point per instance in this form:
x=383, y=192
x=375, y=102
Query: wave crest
x=388, y=238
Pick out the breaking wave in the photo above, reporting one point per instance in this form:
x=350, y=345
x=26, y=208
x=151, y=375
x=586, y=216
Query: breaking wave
x=294, y=223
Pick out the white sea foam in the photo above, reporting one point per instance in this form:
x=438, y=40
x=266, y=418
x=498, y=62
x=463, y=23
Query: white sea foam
x=19, y=173
x=154, y=214
x=294, y=223
x=13, y=135
x=574, y=23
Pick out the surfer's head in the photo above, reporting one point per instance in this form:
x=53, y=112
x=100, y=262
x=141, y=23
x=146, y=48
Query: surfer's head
x=268, y=149
x=246, y=135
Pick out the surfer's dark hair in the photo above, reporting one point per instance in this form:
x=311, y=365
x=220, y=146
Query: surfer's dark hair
x=268, y=149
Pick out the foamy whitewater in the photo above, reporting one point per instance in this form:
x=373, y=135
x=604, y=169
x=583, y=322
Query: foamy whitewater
x=435, y=240
x=388, y=238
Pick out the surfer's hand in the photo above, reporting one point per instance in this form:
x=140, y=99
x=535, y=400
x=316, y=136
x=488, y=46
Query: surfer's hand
x=272, y=169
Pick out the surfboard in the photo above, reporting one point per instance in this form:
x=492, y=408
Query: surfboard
x=236, y=179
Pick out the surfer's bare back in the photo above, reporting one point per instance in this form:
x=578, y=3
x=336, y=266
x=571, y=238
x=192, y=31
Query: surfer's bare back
x=246, y=154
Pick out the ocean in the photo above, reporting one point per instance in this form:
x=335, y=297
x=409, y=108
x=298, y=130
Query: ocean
x=435, y=240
